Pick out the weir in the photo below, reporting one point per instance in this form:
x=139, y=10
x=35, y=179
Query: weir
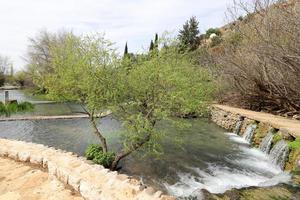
x=248, y=135
x=238, y=126
x=265, y=145
x=279, y=153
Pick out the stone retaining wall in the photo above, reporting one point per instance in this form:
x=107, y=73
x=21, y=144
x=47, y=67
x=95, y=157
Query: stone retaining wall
x=228, y=120
x=93, y=182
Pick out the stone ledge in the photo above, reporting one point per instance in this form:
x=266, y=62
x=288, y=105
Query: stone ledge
x=93, y=182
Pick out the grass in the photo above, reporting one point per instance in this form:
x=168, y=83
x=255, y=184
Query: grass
x=15, y=107
x=295, y=144
x=277, y=137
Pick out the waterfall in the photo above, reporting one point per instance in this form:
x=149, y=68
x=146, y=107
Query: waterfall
x=279, y=153
x=238, y=127
x=266, y=143
x=249, y=132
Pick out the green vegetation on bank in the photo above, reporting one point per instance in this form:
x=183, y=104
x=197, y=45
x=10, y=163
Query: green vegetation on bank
x=15, y=107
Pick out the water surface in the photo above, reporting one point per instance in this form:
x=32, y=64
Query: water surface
x=207, y=158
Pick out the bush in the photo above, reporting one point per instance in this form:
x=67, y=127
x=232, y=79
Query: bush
x=295, y=144
x=215, y=41
x=95, y=153
x=92, y=150
x=15, y=107
x=213, y=30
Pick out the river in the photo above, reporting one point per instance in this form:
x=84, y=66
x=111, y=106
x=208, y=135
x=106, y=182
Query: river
x=198, y=156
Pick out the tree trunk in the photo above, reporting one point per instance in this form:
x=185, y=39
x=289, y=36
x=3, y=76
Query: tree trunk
x=98, y=134
x=124, y=154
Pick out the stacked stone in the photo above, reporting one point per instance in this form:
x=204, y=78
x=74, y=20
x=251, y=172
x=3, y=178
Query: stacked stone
x=93, y=182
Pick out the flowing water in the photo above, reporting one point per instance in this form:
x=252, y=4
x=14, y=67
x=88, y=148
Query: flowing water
x=248, y=135
x=238, y=127
x=266, y=143
x=279, y=153
x=196, y=157
x=42, y=107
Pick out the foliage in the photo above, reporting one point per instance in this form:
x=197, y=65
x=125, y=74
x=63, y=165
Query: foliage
x=189, y=35
x=215, y=41
x=126, y=50
x=39, y=58
x=95, y=152
x=295, y=144
x=92, y=150
x=104, y=159
x=14, y=107
x=211, y=31
x=277, y=137
x=261, y=61
x=5, y=65
x=20, y=78
x=157, y=87
x=83, y=71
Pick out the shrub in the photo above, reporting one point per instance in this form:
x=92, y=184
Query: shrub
x=215, y=41
x=95, y=153
x=213, y=30
x=295, y=144
x=104, y=159
x=15, y=107
x=92, y=150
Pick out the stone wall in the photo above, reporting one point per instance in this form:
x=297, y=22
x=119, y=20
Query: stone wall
x=228, y=120
x=93, y=182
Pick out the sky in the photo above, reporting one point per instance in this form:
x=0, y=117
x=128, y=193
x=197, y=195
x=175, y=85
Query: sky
x=132, y=21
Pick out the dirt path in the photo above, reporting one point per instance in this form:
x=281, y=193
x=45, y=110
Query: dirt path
x=292, y=126
x=19, y=181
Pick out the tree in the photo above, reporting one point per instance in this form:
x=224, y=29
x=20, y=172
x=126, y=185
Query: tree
x=126, y=50
x=151, y=46
x=83, y=72
x=38, y=58
x=5, y=65
x=156, y=41
x=155, y=90
x=87, y=70
x=189, y=35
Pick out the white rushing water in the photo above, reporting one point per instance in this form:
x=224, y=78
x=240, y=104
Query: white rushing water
x=251, y=167
x=266, y=143
x=248, y=135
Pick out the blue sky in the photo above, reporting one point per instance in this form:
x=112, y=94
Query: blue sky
x=134, y=21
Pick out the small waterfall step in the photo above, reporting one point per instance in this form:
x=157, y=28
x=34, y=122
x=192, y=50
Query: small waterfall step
x=248, y=135
x=279, y=153
x=238, y=126
x=266, y=143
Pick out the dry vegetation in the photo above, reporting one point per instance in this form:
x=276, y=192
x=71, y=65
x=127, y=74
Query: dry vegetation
x=260, y=57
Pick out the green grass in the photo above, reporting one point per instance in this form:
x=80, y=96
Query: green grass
x=277, y=137
x=295, y=144
x=15, y=107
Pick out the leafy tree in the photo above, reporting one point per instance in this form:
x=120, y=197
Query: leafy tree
x=4, y=67
x=154, y=90
x=39, y=59
x=83, y=72
x=189, y=35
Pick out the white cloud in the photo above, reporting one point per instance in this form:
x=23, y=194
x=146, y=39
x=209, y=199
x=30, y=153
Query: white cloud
x=134, y=21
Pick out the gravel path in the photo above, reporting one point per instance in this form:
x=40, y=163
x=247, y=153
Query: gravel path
x=290, y=125
x=19, y=181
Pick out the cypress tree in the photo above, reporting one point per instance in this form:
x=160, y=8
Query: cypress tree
x=151, y=46
x=126, y=49
x=156, y=40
